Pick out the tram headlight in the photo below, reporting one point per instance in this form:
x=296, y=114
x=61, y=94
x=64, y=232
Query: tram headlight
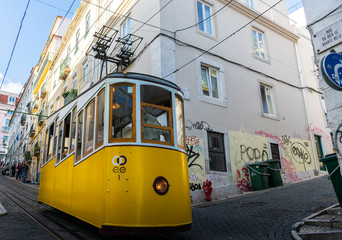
x=161, y=185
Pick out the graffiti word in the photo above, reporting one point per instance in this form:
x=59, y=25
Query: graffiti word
x=318, y=131
x=243, y=184
x=195, y=186
x=338, y=139
x=193, y=178
x=192, y=140
x=296, y=135
x=198, y=125
x=119, y=160
x=192, y=157
x=290, y=171
x=300, y=154
x=275, y=138
x=217, y=178
x=253, y=154
x=286, y=139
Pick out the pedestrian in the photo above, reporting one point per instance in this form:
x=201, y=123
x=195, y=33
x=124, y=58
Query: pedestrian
x=25, y=171
x=19, y=171
x=13, y=170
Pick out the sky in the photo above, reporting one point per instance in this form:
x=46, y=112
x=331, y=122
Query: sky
x=35, y=30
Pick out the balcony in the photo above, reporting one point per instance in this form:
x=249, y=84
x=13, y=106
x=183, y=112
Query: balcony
x=69, y=95
x=33, y=130
x=41, y=118
x=43, y=91
x=6, y=129
x=28, y=105
x=23, y=120
x=35, y=104
x=64, y=69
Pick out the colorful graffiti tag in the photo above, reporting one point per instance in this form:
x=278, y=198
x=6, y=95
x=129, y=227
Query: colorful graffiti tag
x=196, y=162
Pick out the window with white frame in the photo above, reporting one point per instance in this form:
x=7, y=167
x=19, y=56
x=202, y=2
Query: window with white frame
x=267, y=98
x=74, y=81
x=126, y=27
x=210, y=82
x=259, y=48
x=84, y=72
x=204, y=18
x=77, y=40
x=87, y=24
x=250, y=3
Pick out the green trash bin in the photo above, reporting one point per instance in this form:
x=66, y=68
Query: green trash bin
x=331, y=164
x=274, y=171
x=259, y=175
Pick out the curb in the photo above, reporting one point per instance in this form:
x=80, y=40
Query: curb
x=2, y=210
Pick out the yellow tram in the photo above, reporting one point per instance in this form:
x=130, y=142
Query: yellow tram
x=115, y=156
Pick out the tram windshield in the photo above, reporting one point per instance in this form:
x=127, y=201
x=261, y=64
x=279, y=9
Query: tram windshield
x=122, y=104
x=156, y=114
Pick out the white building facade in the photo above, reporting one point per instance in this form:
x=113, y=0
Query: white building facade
x=250, y=94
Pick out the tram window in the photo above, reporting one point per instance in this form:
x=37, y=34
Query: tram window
x=89, y=128
x=100, y=118
x=48, y=144
x=60, y=136
x=55, y=139
x=156, y=114
x=73, y=131
x=79, y=136
x=46, y=141
x=66, y=137
x=122, y=122
x=180, y=122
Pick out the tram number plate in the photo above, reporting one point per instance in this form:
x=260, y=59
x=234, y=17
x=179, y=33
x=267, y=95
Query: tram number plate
x=119, y=162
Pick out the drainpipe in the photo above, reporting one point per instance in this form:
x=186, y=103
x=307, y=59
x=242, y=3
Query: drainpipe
x=306, y=104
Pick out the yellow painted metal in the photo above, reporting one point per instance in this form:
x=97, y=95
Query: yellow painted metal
x=130, y=196
x=107, y=192
x=88, y=190
x=42, y=77
x=47, y=178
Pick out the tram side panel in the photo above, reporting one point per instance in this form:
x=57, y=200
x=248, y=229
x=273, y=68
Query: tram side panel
x=88, y=188
x=62, y=187
x=130, y=197
x=47, y=178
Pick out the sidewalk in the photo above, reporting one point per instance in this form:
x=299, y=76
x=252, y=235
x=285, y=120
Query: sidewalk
x=325, y=224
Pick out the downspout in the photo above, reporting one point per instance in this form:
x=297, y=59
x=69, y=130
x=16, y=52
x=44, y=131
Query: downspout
x=307, y=110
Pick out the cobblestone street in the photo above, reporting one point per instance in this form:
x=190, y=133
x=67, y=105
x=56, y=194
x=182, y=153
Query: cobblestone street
x=263, y=215
x=268, y=214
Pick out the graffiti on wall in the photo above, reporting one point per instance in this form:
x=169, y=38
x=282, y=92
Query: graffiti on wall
x=198, y=125
x=242, y=180
x=297, y=155
x=338, y=140
x=245, y=148
x=196, y=162
x=317, y=131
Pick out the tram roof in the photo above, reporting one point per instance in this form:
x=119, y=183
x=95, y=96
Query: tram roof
x=144, y=77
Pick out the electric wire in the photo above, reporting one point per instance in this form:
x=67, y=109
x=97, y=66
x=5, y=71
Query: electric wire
x=65, y=15
x=133, y=19
x=210, y=16
x=15, y=43
x=220, y=42
x=54, y=7
x=334, y=10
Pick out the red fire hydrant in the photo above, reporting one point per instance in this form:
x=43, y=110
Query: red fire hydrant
x=207, y=189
